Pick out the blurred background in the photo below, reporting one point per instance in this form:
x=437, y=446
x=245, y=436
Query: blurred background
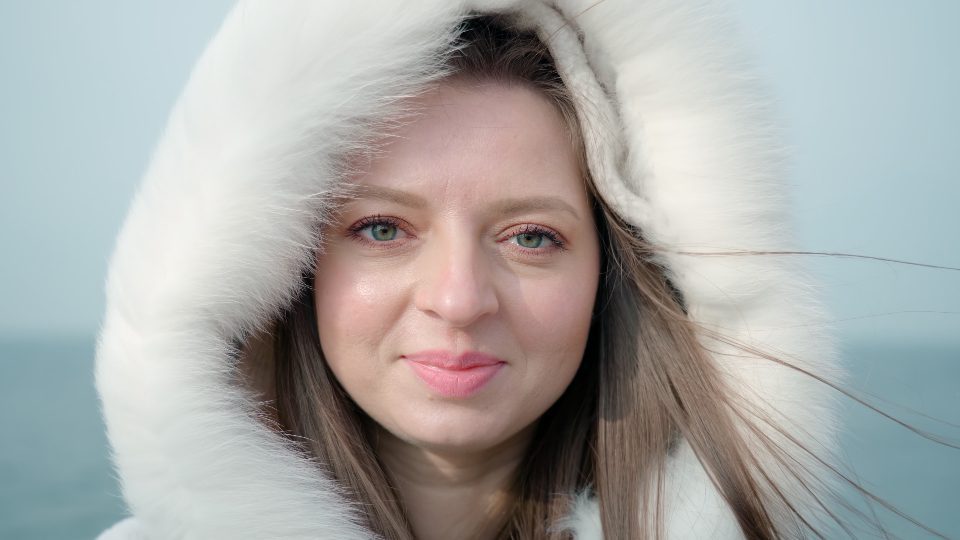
x=867, y=91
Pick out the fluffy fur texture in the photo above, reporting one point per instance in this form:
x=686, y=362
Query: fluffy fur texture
x=679, y=140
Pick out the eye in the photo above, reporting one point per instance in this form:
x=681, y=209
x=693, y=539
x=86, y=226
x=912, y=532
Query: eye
x=377, y=229
x=536, y=238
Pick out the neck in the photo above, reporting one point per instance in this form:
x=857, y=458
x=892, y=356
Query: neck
x=453, y=494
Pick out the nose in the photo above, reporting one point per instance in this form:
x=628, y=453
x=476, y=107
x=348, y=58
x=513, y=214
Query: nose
x=455, y=283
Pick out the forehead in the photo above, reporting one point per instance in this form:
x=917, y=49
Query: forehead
x=481, y=138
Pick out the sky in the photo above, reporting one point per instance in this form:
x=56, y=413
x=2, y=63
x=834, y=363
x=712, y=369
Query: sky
x=865, y=89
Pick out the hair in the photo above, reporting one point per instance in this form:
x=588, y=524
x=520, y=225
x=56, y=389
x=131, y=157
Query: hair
x=645, y=384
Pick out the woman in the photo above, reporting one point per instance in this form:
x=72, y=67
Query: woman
x=429, y=271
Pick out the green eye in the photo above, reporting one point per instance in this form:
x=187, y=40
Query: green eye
x=383, y=232
x=529, y=240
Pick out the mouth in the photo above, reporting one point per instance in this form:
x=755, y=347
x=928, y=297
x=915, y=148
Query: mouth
x=454, y=376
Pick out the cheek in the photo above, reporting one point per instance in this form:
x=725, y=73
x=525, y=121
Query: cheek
x=556, y=319
x=353, y=311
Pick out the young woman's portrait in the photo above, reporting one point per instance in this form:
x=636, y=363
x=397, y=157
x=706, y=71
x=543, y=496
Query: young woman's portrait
x=492, y=269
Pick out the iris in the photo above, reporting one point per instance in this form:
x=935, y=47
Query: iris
x=383, y=232
x=530, y=240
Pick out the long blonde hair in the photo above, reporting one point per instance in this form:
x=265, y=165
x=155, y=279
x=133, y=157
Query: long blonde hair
x=645, y=384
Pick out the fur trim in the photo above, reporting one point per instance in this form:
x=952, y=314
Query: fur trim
x=678, y=139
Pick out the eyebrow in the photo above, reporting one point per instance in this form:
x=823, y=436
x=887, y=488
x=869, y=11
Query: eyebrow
x=510, y=207
x=505, y=207
x=390, y=195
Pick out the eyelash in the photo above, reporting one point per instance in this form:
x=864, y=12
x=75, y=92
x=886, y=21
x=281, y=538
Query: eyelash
x=356, y=228
x=550, y=235
x=556, y=241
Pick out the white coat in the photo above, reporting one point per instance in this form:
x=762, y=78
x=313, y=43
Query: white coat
x=679, y=139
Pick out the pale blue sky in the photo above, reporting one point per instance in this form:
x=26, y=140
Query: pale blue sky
x=867, y=90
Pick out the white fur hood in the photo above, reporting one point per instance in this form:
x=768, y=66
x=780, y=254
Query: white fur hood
x=679, y=140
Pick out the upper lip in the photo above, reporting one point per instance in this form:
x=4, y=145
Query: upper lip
x=451, y=361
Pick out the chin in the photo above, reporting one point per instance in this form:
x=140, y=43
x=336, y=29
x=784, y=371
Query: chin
x=460, y=431
x=464, y=443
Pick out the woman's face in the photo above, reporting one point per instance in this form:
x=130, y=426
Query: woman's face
x=454, y=294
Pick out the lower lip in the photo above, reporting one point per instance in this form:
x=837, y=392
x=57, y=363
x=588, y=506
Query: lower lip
x=455, y=383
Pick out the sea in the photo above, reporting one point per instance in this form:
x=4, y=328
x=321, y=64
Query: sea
x=56, y=479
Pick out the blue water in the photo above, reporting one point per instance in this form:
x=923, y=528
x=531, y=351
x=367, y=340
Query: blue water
x=55, y=478
x=56, y=481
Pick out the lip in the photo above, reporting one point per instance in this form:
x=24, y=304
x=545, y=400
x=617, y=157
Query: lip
x=454, y=376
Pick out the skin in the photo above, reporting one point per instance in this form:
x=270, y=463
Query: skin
x=448, y=246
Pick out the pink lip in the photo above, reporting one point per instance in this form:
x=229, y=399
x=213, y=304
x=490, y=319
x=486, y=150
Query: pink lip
x=454, y=376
